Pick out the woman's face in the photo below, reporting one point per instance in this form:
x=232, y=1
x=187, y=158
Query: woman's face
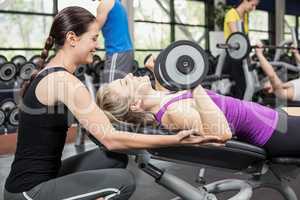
x=87, y=44
x=131, y=86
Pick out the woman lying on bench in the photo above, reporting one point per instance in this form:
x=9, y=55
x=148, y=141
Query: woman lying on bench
x=133, y=100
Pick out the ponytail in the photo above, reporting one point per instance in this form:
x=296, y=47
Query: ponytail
x=40, y=64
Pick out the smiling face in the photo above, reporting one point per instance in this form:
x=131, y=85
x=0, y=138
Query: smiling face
x=86, y=44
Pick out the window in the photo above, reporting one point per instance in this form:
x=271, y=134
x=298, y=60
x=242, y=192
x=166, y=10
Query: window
x=25, y=25
x=290, y=22
x=157, y=23
x=259, y=26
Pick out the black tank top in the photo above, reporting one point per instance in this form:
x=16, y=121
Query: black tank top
x=41, y=137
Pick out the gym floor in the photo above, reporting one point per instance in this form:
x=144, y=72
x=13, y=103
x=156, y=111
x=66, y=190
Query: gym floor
x=147, y=189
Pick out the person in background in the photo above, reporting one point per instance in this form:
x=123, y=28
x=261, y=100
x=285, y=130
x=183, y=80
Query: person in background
x=236, y=20
x=113, y=20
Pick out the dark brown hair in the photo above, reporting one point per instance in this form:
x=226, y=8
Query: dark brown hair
x=75, y=19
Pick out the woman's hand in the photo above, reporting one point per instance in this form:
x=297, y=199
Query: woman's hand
x=193, y=138
x=259, y=50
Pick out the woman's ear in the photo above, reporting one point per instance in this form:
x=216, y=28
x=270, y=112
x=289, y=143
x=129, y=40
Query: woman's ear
x=72, y=38
x=136, y=106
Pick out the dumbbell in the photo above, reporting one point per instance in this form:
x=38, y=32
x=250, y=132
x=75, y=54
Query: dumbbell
x=182, y=65
x=7, y=106
x=13, y=117
x=26, y=70
x=18, y=60
x=8, y=71
x=3, y=59
x=35, y=59
x=2, y=118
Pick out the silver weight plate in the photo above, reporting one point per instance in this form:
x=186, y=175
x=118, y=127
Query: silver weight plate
x=13, y=117
x=2, y=117
x=7, y=71
x=241, y=40
x=27, y=70
x=18, y=60
x=7, y=105
x=177, y=79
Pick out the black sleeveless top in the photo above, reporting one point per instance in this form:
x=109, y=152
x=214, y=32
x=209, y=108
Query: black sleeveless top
x=41, y=137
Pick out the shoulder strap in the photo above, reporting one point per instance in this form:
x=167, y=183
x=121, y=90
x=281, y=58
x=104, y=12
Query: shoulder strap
x=164, y=108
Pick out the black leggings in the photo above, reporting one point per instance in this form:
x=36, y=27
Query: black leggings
x=285, y=143
x=86, y=176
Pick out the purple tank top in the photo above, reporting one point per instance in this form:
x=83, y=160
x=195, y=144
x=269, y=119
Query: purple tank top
x=249, y=121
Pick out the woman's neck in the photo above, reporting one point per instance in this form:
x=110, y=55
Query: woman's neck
x=153, y=100
x=63, y=59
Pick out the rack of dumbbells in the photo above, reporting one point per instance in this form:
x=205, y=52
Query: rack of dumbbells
x=13, y=73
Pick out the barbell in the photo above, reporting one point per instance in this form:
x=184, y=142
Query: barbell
x=182, y=65
x=238, y=46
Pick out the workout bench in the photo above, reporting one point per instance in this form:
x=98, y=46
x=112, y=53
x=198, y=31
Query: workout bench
x=265, y=171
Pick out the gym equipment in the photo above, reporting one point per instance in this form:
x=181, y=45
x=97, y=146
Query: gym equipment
x=97, y=65
x=2, y=117
x=182, y=65
x=145, y=72
x=7, y=105
x=265, y=171
x=3, y=59
x=135, y=66
x=27, y=70
x=238, y=46
x=8, y=71
x=35, y=59
x=18, y=60
x=13, y=117
x=80, y=71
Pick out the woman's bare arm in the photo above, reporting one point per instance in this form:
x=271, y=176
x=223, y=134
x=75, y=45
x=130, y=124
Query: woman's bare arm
x=279, y=88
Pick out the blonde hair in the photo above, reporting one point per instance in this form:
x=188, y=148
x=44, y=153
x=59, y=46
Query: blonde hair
x=117, y=109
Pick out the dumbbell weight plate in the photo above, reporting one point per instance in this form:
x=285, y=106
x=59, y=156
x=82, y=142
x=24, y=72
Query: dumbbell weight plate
x=14, y=117
x=27, y=70
x=241, y=40
x=18, y=60
x=35, y=59
x=7, y=105
x=3, y=59
x=2, y=117
x=7, y=71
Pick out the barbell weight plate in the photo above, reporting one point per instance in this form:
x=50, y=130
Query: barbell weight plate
x=7, y=71
x=2, y=117
x=14, y=117
x=27, y=70
x=3, y=59
x=183, y=65
x=18, y=60
x=158, y=74
x=241, y=40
